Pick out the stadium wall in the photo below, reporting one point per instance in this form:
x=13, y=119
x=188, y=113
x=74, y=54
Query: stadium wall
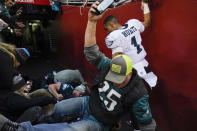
x=171, y=46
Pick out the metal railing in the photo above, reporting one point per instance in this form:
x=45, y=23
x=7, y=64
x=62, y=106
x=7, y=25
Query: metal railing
x=81, y=2
x=77, y=2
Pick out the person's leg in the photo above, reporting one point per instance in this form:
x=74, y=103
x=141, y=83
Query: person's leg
x=83, y=125
x=69, y=76
x=47, y=109
x=73, y=106
x=32, y=114
x=68, y=110
x=39, y=92
x=27, y=126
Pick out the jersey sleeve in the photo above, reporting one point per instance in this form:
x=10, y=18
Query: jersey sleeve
x=113, y=43
x=136, y=23
x=117, y=49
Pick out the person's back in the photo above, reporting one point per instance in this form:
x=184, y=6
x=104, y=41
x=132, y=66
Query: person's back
x=127, y=39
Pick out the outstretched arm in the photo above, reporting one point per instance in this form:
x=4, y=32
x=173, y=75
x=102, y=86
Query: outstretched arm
x=54, y=88
x=91, y=50
x=147, y=16
x=90, y=33
x=142, y=113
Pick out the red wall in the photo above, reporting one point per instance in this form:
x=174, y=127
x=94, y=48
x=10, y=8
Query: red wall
x=171, y=42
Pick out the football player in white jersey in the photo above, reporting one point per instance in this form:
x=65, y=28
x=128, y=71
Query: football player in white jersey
x=126, y=39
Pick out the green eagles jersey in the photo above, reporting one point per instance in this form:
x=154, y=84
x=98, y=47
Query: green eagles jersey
x=109, y=95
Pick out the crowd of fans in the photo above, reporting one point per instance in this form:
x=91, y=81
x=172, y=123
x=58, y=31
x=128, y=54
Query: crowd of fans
x=22, y=97
x=9, y=17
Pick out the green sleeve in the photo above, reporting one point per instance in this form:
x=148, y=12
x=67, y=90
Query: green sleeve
x=103, y=62
x=141, y=110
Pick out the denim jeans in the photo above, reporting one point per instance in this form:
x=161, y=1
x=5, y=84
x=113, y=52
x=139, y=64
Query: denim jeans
x=75, y=106
x=69, y=76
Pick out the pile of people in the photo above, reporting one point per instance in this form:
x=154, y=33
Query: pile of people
x=65, y=102
x=9, y=17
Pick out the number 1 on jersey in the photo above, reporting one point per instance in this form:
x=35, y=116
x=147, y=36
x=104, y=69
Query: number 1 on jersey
x=134, y=42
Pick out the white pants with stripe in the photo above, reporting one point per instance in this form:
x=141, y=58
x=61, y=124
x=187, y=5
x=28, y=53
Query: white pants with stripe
x=150, y=77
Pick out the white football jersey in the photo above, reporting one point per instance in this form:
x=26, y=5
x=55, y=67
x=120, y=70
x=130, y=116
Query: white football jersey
x=127, y=40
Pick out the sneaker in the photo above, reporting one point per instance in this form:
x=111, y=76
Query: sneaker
x=7, y=125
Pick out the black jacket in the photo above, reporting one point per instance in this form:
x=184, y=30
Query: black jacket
x=6, y=70
x=132, y=93
x=12, y=104
x=10, y=78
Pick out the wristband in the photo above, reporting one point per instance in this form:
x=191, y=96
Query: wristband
x=146, y=8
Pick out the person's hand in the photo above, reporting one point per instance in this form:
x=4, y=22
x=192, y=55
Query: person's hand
x=77, y=93
x=92, y=13
x=3, y=24
x=59, y=97
x=28, y=86
x=143, y=2
x=19, y=12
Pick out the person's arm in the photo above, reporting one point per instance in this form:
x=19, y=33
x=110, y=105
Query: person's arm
x=17, y=102
x=90, y=33
x=147, y=16
x=142, y=112
x=53, y=88
x=91, y=49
